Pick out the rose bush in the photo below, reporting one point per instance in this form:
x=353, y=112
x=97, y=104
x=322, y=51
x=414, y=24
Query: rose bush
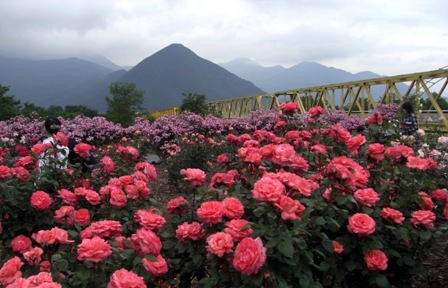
x=279, y=201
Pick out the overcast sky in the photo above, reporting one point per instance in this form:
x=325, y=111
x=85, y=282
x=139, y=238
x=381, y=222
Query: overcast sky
x=387, y=37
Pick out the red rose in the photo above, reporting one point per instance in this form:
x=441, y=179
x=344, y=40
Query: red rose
x=439, y=195
x=316, y=111
x=95, y=250
x=337, y=247
x=10, y=271
x=233, y=208
x=38, y=148
x=21, y=244
x=20, y=173
x=423, y=217
x=392, y=215
x=40, y=200
x=367, y=197
x=238, y=229
x=249, y=256
x=268, y=189
x=376, y=260
x=193, y=231
x=210, y=212
x=219, y=243
x=125, y=279
x=361, y=224
x=195, y=176
x=222, y=158
x=5, y=172
x=155, y=268
x=289, y=107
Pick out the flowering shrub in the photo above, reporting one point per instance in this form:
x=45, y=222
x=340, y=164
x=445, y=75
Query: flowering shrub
x=265, y=203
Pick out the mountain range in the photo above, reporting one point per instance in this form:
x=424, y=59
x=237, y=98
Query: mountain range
x=163, y=76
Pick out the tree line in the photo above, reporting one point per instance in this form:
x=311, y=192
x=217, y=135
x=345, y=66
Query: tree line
x=124, y=103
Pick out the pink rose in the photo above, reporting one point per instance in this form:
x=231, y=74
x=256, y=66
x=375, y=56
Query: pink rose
x=146, y=242
x=156, y=268
x=423, y=217
x=118, y=198
x=268, y=189
x=376, y=260
x=147, y=169
x=83, y=149
x=238, y=229
x=82, y=217
x=64, y=215
x=21, y=244
x=102, y=229
x=40, y=200
x=10, y=271
x=68, y=197
x=376, y=151
x=392, y=215
x=108, y=164
x=361, y=224
x=367, y=197
x=195, y=176
x=193, y=231
x=33, y=256
x=355, y=142
x=177, y=206
x=219, y=243
x=233, y=208
x=291, y=209
x=148, y=219
x=421, y=163
x=210, y=212
x=337, y=247
x=125, y=279
x=249, y=256
x=95, y=250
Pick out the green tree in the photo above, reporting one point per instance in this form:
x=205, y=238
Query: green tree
x=71, y=111
x=29, y=108
x=124, y=103
x=9, y=106
x=195, y=103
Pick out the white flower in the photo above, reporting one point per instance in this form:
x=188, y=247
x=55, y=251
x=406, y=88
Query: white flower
x=442, y=140
x=421, y=132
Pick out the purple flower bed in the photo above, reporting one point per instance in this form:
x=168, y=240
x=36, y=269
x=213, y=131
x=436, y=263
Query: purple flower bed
x=165, y=130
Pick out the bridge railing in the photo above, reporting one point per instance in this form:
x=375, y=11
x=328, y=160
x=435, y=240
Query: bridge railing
x=355, y=96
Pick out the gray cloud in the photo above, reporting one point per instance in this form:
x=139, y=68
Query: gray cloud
x=387, y=37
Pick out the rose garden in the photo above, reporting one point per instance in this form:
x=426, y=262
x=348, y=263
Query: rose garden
x=277, y=199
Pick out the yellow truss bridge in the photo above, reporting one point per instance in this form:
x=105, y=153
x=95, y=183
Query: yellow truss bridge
x=354, y=97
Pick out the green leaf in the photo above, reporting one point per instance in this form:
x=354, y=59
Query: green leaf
x=382, y=281
x=285, y=247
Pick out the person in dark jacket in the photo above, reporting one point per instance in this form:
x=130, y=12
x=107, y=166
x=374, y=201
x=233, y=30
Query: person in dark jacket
x=409, y=125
